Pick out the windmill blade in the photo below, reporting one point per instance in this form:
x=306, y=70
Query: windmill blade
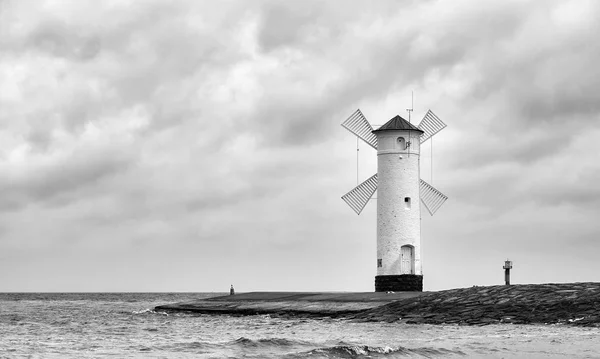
x=431, y=197
x=358, y=125
x=358, y=197
x=431, y=124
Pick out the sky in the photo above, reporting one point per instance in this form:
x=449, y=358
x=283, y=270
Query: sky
x=190, y=145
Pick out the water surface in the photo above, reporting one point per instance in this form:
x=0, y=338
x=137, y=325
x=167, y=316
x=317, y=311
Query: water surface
x=123, y=325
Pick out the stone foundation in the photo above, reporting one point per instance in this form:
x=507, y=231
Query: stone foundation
x=399, y=283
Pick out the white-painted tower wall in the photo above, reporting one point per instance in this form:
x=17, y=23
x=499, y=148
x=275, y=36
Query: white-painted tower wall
x=400, y=193
x=398, y=203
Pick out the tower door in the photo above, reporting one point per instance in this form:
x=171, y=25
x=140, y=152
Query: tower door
x=408, y=260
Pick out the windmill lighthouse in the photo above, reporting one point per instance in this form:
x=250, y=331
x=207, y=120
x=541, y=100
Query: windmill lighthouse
x=400, y=191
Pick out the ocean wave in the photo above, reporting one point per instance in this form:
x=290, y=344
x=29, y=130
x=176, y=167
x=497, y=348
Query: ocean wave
x=195, y=347
x=367, y=351
x=262, y=345
x=148, y=311
x=342, y=350
x=279, y=342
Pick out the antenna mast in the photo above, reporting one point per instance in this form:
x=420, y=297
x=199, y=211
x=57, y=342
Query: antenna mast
x=409, y=110
x=412, y=103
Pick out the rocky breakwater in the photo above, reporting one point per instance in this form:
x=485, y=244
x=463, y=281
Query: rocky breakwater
x=568, y=303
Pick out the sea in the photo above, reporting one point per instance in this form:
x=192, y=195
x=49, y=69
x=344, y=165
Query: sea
x=125, y=325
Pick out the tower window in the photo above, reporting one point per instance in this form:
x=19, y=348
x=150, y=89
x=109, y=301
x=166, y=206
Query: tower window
x=379, y=264
x=407, y=202
x=401, y=143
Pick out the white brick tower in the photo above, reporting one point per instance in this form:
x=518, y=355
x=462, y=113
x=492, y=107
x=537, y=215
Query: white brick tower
x=400, y=191
x=398, y=210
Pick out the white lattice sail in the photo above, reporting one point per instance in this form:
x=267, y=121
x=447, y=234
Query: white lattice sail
x=358, y=198
x=431, y=197
x=358, y=125
x=431, y=124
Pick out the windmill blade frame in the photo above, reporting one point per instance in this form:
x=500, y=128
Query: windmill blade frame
x=360, y=195
x=358, y=125
x=430, y=124
x=431, y=198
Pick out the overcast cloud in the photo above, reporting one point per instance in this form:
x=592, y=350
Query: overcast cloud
x=190, y=145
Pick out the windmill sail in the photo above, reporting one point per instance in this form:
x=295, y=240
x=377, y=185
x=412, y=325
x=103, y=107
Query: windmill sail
x=358, y=125
x=431, y=124
x=431, y=197
x=358, y=197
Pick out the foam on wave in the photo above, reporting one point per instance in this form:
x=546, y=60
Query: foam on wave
x=367, y=351
x=344, y=350
x=149, y=311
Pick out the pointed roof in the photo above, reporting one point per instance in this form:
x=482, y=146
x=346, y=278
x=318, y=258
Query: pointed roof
x=398, y=123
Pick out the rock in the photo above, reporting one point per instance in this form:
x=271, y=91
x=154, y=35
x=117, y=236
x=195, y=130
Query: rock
x=541, y=303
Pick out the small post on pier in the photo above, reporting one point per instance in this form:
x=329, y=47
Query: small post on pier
x=507, y=267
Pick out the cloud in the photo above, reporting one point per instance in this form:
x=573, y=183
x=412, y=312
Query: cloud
x=64, y=177
x=187, y=130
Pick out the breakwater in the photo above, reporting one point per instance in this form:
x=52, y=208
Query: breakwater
x=290, y=303
x=564, y=303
